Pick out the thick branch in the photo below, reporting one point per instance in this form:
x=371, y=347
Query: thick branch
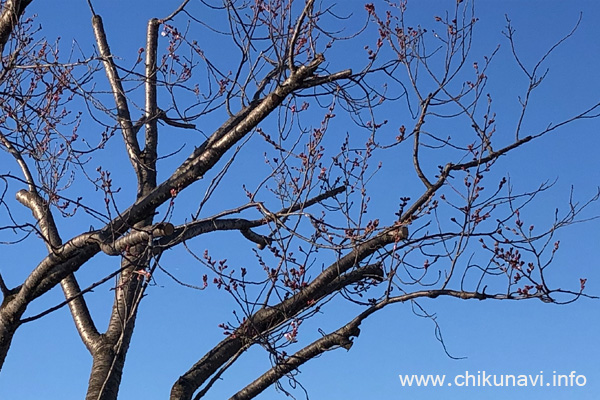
x=123, y=115
x=109, y=357
x=11, y=12
x=341, y=338
x=260, y=240
x=140, y=236
x=329, y=281
x=207, y=155
x=70, y=256
x=321, y=80
x=41, y=213
x=190, y=230
x=79, y=310
x=149, y=155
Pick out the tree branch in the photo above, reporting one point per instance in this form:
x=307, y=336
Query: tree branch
x=9, y=17
x=148, y=173
x=329, y=281
x=19, y=158
x=321, y=80
x=171, y=122
x=177, y=11
x=342, y=337
x=71, y=298
x=6, y=292
x=79, y=310
x=69, y=257
x=294, y=39
x=123, y=115
x=417, y=141
x=339, y=338
x=189, y=230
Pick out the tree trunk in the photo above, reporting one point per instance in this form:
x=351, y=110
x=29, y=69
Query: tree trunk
x=107, y=368
x=109, y=355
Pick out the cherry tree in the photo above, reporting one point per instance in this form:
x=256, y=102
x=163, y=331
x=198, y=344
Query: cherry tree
x=291, y=140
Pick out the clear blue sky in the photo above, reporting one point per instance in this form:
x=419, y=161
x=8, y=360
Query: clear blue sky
x=47, y=359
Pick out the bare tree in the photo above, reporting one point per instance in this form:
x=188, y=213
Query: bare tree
x=312, y=128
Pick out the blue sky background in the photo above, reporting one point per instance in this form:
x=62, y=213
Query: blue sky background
x=48, y=360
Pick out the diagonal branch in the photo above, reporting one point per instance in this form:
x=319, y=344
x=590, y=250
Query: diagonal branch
x=79, y=310
x=339, y=338
x=371, y=271
x=70, y=256
x=190, y=230
x=20, y=160
x=71, y=298
x=209, y=153
x=329, y=281
x=342, y=337
x=177, y=11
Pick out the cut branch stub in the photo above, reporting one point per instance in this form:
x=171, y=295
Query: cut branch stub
x=260, y=240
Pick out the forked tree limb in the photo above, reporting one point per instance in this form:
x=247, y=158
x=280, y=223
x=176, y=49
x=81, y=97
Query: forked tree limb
x=67, y=258
x=266, y=319
x=81, y=248
x=192, y=229
x=342, y=337
x=79, y=309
